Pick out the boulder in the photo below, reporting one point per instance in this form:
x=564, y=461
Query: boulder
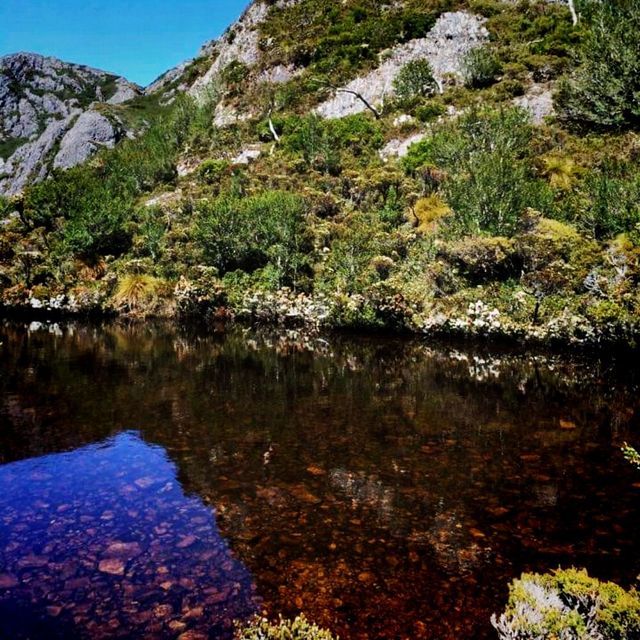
x=90, y=131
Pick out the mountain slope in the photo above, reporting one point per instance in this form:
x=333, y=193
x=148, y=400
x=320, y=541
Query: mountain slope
x=50, y=116
x=438, y=166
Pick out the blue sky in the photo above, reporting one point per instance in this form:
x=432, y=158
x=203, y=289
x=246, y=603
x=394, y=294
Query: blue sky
x=138, y=39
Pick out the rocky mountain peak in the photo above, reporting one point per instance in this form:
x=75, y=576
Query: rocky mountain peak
x=41, y=102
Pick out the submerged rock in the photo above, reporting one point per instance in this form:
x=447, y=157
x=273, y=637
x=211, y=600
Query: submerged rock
x=8, y=581
x=113, y=566
x=538, y=101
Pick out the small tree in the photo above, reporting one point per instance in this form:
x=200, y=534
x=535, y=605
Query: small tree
x=604, y=91
x=250, y=233
x=415, y=80
x=480, y=68
x=481, y=165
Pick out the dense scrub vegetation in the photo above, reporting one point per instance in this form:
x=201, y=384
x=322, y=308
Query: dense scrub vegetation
x=298, y=629
x=337, y=38
x=603, y=91
x=568, y=604
x=489, y=225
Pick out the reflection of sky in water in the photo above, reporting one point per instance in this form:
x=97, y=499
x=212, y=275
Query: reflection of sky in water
x=102, y=542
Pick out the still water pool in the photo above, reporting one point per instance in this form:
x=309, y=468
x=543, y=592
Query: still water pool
x=157, y=482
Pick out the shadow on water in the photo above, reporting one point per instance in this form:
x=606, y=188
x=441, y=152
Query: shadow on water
x=387, y=488
x=102, y=542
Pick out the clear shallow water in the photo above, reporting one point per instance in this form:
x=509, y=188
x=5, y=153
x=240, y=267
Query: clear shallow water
x=102, y=541
x=157, y=481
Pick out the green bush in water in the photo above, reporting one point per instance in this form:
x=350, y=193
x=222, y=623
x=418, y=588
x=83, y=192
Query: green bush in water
x=568, y=604
x=297, y=629
x=631, y=454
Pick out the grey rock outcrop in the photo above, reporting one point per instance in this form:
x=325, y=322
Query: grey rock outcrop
x=41, y=102
x=239, y=43
x=89, y=132
x=452, y=37
x=248, y=155
x=399, y=147
x=538, y=101
x=279, y=74
x=167, y=78
x=28, y=164
x=125, y=91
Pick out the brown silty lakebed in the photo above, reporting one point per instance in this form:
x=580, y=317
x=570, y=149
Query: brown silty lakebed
x=158, y=482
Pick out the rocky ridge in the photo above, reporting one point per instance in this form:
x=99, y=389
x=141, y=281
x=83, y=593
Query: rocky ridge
x=452, y=37
x=50, y=116
x=52, y=113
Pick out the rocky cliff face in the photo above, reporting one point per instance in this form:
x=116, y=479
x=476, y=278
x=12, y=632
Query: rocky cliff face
x=452, y=37
x=50, y=116
x=56, y=115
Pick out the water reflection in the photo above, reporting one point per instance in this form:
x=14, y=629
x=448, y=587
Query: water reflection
x=386, y=488
x=102, y=542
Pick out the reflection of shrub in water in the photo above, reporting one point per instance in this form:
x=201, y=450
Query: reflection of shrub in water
x=365, y=491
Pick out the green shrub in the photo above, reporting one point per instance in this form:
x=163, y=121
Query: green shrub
x=309, y=137
x=604, y=91
x=323, y=143
x=430, y=111
x=360, y=134
x=611, y=201
x=90, y=210
x=297, y=629
x=554, y=255
x=6, y=206
x=249, y=233
x=234, y=73
x=568, y=604
x=532, y=33
x=97, y=229
x=508, y=89
x=349, y=265
x=485, y=172
x=415, y=79
x=211, y=171
x=483, y=259
x=151, y=233
x=480, y=68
